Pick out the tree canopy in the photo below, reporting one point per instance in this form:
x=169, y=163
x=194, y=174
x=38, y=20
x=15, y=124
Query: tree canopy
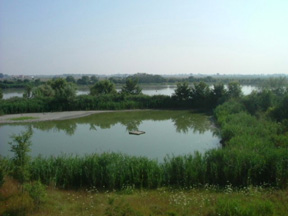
x=103, y=87
x=131, y=87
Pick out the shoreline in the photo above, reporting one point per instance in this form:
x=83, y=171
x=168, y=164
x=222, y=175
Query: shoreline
x=51, y=116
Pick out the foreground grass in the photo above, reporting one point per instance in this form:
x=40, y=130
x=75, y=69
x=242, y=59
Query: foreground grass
x=207, y=201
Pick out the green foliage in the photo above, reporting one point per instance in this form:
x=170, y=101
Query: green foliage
x=44, y=90
x=280, y=112
x=182, y=92
x=254, y=151
x=28, y=91
x=1, y=94
x=21, y=160
x=238, y=207
x=64, y=91
x=84, y=80
x=274, y=83
x=218, y=95
x=201, y=95
x=234, y=90
x=105, y=171
x=147, y=78
x=103, y=87
x=70, y=79
x=258, y=101
x=223, y=111
x=131, y=87
x=2, y=174
x=37, y=192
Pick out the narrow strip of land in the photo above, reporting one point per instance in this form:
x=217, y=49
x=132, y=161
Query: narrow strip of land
x=47, y=116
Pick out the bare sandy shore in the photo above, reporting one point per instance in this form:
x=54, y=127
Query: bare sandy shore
x=48, y=116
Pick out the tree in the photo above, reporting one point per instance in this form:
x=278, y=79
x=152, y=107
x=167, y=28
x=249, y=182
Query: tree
x=70, y=79
x=131, y=87
x=20, y=146
x=234, y=90
x=103, y=87
x=28, y=91
x=94, y=79
x=64, y=91
x=218, y=94
x=84, y=80
x=37, y=82
x=182, y=92
x=201, y=95
x=1, y=94
x=44, y=90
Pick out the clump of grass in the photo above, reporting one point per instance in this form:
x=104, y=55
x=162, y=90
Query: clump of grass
x=12, y=200
x=23, y=118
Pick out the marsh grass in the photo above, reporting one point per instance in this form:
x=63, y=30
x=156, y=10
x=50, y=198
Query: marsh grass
x=23, y=118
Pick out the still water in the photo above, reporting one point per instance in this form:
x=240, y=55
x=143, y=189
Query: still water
x=167, y=133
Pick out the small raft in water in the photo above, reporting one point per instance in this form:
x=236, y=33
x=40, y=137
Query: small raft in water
x=136, y=132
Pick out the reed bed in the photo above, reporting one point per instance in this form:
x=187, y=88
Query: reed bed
x=115, y=171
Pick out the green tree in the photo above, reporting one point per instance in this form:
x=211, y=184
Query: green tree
x=275, y=83
x=1, y=94
x=70, y=79
x=28, y=91
x=218, y=94
x=94, y=79
x=103, y=87
x=200, y=95
x=64, y=91
x=44, y=90
x=131, y=87
x=37, y=82
x=84, y=80
x=20, y=146
x=234, y=90
x=182, y=92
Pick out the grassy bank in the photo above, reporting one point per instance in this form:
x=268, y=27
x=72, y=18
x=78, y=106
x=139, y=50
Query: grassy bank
x=252, y=201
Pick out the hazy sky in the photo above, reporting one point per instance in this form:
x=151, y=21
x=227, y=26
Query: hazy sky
x=130, y=36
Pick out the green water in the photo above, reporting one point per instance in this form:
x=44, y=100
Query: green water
x=167, y=132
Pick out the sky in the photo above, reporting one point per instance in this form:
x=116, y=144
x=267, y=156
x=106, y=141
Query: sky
x=103, y=37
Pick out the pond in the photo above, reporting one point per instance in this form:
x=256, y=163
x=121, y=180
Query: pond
x=166, y=133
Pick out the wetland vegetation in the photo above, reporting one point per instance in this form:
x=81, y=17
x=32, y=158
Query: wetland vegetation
x=247, y=176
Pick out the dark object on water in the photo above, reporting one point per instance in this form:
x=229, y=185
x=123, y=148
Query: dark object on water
x=136, y=132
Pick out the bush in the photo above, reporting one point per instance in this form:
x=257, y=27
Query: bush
x=36, y=191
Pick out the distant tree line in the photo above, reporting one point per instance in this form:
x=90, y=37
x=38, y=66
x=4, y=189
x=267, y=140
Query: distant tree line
x=60, y=95
x=19, y=83
x=143, y=78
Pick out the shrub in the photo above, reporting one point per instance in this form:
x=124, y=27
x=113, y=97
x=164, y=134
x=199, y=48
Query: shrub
x=36, y=191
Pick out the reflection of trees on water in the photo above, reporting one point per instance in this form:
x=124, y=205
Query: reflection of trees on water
x=129, y=124
x=184, y=121
x=132, y=125
x=195, y=122
x=69, y=127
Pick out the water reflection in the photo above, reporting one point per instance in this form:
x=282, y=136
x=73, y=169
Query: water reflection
x=184, y=121
x=167, y=132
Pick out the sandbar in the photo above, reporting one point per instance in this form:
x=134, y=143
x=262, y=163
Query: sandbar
x=48, y=116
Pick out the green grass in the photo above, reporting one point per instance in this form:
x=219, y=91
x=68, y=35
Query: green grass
x=23, y=118
x=207, y=201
